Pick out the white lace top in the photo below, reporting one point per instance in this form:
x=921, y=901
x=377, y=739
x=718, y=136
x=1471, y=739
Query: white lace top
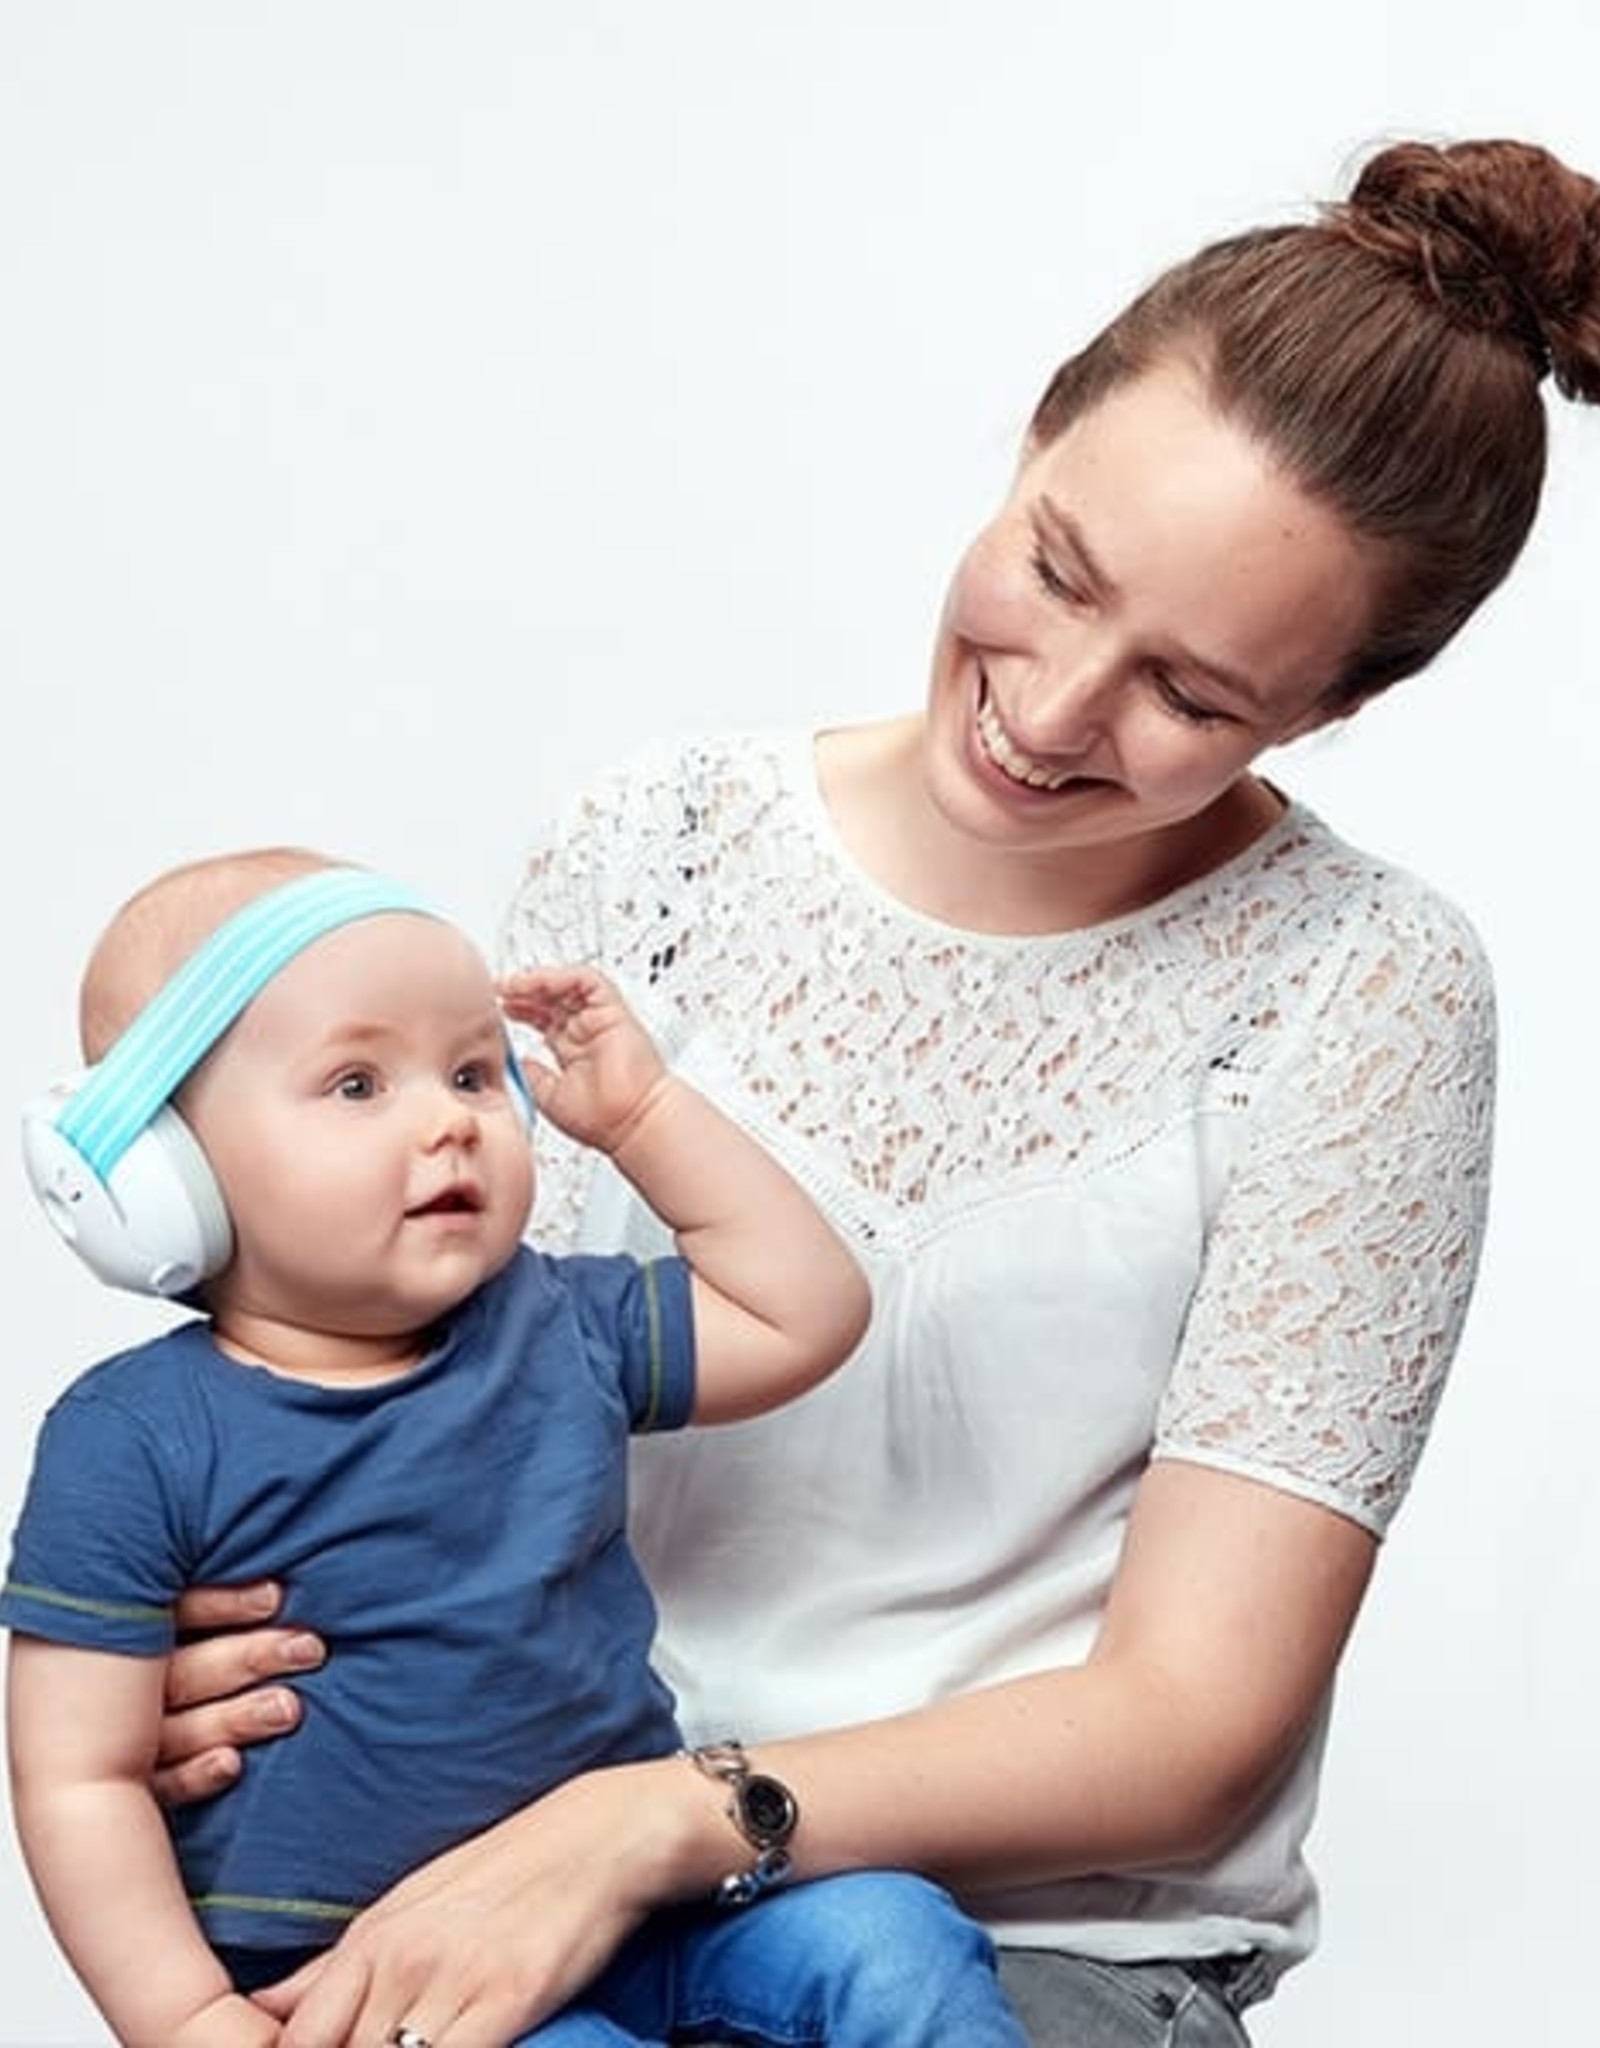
x=1208, y=1181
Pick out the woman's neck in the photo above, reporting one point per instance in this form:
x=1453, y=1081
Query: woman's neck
x=871, y=782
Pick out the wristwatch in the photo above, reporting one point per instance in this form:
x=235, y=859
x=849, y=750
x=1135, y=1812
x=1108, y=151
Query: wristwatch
x=764, y=1811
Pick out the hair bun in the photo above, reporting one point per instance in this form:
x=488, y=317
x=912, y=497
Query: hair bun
x=1503, y=235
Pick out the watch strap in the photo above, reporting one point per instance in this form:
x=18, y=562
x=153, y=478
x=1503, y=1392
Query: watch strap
x=764, y=1811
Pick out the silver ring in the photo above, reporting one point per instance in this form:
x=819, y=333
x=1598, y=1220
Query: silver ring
x=408, y=2037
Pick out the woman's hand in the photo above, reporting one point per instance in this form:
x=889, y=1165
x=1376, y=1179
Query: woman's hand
x=219, y=1692
x=494, y=1936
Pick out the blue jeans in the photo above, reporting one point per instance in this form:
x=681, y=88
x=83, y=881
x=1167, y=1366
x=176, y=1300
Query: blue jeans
x=876, y=1959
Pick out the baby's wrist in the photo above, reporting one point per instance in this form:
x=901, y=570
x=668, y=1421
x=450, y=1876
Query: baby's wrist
x=640, y=1129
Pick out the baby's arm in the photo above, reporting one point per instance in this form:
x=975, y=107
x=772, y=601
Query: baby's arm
x=779, y=1301
x=81, y=1727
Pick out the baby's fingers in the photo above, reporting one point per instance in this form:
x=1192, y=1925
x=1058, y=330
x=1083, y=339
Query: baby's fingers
x=528, y=995
x=547, y=996
x=542, y=1081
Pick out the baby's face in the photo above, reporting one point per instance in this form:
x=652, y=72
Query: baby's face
x=361, y=1119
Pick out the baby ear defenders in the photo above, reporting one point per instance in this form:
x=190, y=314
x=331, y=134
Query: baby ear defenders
x=117, y=1170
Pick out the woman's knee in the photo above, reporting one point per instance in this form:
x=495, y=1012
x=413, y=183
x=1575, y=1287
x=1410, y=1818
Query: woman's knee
x=894, y=1911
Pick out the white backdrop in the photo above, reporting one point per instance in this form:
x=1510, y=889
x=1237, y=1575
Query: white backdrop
x=403, y=404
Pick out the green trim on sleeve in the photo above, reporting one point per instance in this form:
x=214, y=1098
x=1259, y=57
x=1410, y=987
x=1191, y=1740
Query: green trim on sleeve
x=246, y=1902
x=652, y=1302
x=109, y=1610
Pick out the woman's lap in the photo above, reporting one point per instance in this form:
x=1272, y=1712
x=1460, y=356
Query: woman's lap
x=1076, y=2002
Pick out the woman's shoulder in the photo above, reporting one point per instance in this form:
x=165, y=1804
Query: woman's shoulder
x=677, y=800
x=615, y=873
x=695, y=769
x=1334, y=890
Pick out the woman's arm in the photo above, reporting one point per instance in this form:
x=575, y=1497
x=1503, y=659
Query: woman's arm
x=1231, y=1607
x=81, y=1733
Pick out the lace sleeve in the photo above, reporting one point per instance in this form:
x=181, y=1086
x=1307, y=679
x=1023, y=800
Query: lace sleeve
x=1342, y=1259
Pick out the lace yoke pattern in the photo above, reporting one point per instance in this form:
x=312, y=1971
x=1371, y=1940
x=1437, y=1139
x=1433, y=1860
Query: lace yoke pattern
x=1328, y=1011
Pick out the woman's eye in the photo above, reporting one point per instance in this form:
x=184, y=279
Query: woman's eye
x=1181, y=704
x=1051, y=580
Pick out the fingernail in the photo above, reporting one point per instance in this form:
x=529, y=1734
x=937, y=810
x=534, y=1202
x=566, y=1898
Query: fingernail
x=276, y=1710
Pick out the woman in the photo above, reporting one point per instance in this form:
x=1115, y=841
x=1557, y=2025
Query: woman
x=1160, y=1116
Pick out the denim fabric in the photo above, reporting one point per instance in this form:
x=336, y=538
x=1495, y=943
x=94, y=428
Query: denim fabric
x=872, y=1960
x=1060, y=2001
x=1077, y=2002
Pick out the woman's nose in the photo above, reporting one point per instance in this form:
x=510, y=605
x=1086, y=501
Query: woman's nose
x=1063, y=704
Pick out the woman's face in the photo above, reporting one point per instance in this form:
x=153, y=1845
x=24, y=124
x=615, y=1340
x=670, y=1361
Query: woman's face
x=1154, y=605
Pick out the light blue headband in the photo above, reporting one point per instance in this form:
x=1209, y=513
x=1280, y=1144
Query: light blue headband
x=184, y=1019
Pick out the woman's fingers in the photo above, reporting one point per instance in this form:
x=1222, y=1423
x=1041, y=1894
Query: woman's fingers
x=210, y=1671
x=203, y=1609
x=198, y=1752
x=221, y=1697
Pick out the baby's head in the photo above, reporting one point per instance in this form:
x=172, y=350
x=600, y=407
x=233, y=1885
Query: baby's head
x=157, y=929
x=356, y=1106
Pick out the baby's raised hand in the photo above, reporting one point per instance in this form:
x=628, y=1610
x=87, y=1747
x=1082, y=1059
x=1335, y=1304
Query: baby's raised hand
x=605, y=1070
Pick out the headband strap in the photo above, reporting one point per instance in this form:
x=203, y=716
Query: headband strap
x=184, y=1019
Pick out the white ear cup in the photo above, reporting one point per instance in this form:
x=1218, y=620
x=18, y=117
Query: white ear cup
x=119, y=1173
x=156, y=1224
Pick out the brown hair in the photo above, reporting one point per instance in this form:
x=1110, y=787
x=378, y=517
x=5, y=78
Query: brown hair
x=1389, y=354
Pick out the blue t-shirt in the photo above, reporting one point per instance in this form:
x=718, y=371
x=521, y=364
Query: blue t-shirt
x=457, y=1536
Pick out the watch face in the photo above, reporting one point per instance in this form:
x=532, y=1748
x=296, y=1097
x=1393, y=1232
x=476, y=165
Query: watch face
x=768, y=1810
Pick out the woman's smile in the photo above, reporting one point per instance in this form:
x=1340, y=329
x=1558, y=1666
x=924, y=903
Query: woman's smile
x=1027, y=771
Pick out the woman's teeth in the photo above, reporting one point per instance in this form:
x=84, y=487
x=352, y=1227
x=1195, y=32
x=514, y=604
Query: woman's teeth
x=1011, y=761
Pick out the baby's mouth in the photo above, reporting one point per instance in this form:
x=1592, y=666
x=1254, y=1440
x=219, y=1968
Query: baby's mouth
x=455, y=1201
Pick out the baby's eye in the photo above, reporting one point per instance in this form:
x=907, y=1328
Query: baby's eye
x=356, y=1086
x=474, y=1076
